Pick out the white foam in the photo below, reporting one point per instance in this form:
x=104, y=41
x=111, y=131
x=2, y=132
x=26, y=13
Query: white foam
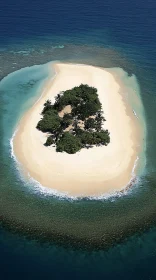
x=11, y=145
x=39, y=189
x=134, y=167
x=135, y=114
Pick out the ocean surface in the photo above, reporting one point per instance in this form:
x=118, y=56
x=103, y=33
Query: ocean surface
x=46, y=236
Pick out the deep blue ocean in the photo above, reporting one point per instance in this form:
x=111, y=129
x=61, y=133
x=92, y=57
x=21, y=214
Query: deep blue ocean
x=46, y=238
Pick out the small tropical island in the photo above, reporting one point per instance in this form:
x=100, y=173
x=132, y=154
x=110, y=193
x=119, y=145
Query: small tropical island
x=74, y=121
x=81, y=137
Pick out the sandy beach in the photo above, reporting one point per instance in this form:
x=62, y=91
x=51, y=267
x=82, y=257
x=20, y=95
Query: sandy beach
x=90, y=172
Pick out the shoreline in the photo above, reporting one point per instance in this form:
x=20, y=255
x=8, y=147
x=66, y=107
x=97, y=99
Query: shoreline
x=100, y=185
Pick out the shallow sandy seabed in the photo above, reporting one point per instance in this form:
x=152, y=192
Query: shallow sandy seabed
x=90, y=172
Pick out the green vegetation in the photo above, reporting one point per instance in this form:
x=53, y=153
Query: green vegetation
x=68, y=143
x=49, y=141
x=80, y=128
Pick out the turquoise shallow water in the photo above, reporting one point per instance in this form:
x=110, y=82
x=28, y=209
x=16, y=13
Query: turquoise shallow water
x=27, y=208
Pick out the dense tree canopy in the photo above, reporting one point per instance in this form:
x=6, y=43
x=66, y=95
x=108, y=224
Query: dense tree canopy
x=68, y=143
x=50, y=122
x=80, y=128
